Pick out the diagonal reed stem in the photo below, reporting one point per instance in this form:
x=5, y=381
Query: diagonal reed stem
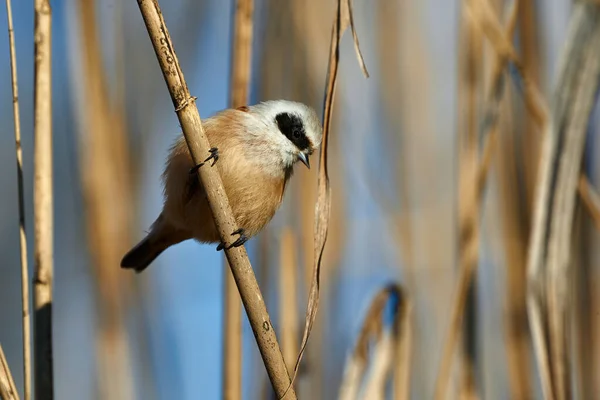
x=198, y=145
x=8, y=389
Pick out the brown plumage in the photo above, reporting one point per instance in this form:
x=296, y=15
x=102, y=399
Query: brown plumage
x=257, y=148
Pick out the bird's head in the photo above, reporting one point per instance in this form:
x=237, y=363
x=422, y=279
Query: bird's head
x=296, y=129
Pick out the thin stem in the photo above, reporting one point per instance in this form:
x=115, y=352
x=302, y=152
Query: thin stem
x=471, y=199
x=288, y=297
x=22, y=236
x=240, y=83
x=43, y=201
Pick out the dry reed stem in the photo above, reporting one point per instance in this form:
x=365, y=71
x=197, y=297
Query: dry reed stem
x=308, y=43
x=559, y=169
x=343, y=19
x=265, y=273
x=8, y=389
x=382, y=359
x=356, y=364
x=240, y=82
x=403, y=350
x=590, y=198
x=288, y=297
x=242, y=53
x=373, y=328
x=471, y=193
x=491, y=27
x=232, y=350
x=43, y=202
x=569, y=160
x=104, y=172
x=528, y=36
x=468, y=262
x=468, y=212
x=26, y=317
x=534, y=292
x=515, y=231
x=198, y=145
x=284, y=77
x=406, y=113
x=512, y=207
x=584, y=313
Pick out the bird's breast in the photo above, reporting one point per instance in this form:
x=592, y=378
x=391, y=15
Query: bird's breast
x=254, y=198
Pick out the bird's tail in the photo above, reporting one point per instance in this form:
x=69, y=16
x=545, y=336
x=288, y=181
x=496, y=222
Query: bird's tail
x=161, y=237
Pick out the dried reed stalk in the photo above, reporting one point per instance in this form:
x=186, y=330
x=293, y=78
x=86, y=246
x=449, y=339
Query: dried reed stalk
x=468, y=263
x=354, y=384
x=240, y=84
x=43, y=202
x=549, y=255
x=403, y=330
x=198, y=144
x=265, y=275
x=515, y=231
x=8, y=389
x=275, y=41
x=232, y=349
x=569, y=158
x=343, y=19
x=471, y=191
x=519, y=209
x=405, y=116
x=487, y=22
x=383, y=352
x=468, y=211
x=288, y=297
x=582, y=327
x=491, y=27
x=310, y=20
x=515, y=208
x=590, y=198
x=528, y=36
x=104, y=171
x=242, y=53
x=585, y=329
x=26, y=317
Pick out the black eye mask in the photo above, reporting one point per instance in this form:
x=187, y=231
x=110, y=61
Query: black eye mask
x=291, y=126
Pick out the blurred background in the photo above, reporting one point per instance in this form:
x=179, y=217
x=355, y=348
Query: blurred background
x=396, y=149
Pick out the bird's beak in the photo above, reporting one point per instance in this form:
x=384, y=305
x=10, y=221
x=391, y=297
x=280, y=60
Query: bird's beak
x=304, y=158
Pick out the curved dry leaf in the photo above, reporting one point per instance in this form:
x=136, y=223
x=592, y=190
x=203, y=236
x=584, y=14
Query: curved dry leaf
x=343, y=20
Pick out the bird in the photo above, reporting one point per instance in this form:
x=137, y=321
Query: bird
x=255, y=149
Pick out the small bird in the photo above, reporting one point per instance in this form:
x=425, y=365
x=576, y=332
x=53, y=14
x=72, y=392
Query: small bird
x=255, y=149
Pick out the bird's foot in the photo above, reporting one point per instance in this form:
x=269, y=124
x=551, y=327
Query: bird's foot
x=214, y=155
x=239, y=242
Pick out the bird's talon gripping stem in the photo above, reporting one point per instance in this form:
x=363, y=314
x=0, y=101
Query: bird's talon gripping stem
x=239, y=242
x=214, y=155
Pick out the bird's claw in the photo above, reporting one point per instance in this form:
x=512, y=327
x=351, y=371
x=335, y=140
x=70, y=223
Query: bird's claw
x=214, y=155
x=239, y=242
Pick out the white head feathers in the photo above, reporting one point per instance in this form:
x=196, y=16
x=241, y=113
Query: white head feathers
x=287, y=132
